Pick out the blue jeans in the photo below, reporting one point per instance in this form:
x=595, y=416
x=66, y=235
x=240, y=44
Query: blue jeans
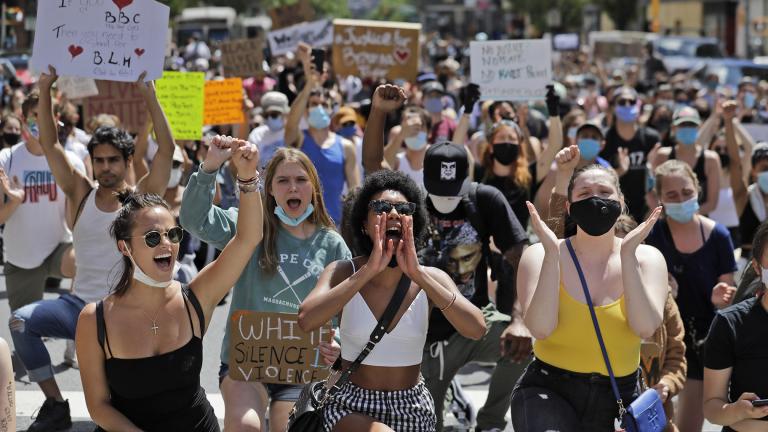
x=45, y=318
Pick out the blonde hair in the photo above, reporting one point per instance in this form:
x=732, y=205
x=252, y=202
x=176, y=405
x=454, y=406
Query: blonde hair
x=319, y=217
x=673, y=167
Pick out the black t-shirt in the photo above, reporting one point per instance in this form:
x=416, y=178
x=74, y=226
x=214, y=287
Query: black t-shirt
x=634, y=182
x=454, y=246
x=516, y=196
x=738, y=339
x=748, y=223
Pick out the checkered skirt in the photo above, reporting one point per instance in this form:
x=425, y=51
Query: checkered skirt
x=409, y=410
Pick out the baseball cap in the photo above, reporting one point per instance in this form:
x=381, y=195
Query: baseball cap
x=432, y=86
x=344, y=115
x=686, y=115
x=274, y=101
x=591, y=125
x=446, y=170
x=625, y=91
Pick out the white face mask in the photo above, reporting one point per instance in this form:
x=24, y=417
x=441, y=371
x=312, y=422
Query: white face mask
x=445, y=205
x=175, y=178
x=144, y=278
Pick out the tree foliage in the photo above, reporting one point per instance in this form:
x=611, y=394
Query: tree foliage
x=621, y=12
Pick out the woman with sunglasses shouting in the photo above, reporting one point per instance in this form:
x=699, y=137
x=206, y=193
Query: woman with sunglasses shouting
x=386, y=393
x=140, y=349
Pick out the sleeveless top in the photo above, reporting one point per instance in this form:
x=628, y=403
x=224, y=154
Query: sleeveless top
x=405, y=167
x=97, y=258
x=573, y=345
x=698, y=169
x=163, y=392
x=329, y=163
x=402, y=346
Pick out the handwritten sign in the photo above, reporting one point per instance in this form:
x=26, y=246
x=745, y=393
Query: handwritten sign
x=512, y=69
x=288, y=15
x=317, y=34
x=376, y=49
x=270, y=347
x=181, y=95
x=120, y=99
x=223, y=102
x=77, y=87
x=104, y=39
x=243, y=58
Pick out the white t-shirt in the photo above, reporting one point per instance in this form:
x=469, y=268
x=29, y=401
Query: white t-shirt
x=75, y=146
x=39, y=224
x=268, y=142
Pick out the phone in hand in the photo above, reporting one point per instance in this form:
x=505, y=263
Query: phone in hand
x=318, y=58
x=760, y=403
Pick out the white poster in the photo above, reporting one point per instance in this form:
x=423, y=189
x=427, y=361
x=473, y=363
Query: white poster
x=512, y=69
x=77, y=87
x=112, y=40
x=317, y=34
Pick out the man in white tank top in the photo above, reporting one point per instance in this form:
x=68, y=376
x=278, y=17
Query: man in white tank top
x=98, y=261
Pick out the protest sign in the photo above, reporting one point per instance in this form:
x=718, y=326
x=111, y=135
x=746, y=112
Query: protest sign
x=113, y=40
x=77, y=87
x=270, y=347
x=288, y=15
x=243, y=58
x=223, y=102
x=512, y=69
x=376, y=49
x=317, y=34
x=181, y=95
x=120, y=99
x=759, y=132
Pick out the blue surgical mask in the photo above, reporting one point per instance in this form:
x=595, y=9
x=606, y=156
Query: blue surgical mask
x=628, y=114
x=34, y=130
x=749, y=100
x=416, y=142
x=762, y=181
x=284, y=218
x=712, y=85
x=682, y=212
x=687, y=135
x=318, y=118
x=433, y=105
x=275, y=124
x=347, y=131
x=588, y=148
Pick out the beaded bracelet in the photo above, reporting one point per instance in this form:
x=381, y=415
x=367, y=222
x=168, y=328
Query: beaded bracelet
x=249, y=185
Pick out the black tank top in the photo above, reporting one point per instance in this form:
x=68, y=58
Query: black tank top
x=699, y=170
x=163, y=392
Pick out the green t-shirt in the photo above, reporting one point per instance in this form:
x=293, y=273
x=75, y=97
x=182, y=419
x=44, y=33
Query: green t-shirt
x=300, y=262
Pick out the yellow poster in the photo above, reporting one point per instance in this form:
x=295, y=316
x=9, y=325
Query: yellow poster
x=223, y=102
x=181, y=96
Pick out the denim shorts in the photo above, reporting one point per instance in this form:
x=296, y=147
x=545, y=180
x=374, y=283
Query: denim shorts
x=277, y=392
x=550, y=398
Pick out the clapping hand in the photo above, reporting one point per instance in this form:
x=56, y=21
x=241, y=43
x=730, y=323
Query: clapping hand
x=11, y=188
x=546, y=236
x=637, y=236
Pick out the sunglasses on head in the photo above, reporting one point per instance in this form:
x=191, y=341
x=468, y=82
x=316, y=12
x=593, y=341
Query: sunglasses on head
x=153, y=238
x=381, y=206
x=626, y=102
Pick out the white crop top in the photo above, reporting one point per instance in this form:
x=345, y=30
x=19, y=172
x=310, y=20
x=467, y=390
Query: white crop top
x=403, y=346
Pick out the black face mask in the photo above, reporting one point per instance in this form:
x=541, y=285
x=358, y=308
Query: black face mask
x=725, y=160
x=595, y=216
x=506, y=153
x=662, y=126
x=11, y=138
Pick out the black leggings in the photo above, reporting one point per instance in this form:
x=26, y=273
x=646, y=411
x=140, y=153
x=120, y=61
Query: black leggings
x=549, y=398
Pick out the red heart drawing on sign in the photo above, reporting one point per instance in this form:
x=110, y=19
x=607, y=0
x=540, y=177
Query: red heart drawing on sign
x=139, y=51
x=402, y=54
x=75, y=50
x=122, y=3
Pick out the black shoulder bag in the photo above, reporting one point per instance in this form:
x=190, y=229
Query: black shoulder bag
x=307, y=413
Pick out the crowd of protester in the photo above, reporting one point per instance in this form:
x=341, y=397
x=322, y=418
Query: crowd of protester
x=493, y=223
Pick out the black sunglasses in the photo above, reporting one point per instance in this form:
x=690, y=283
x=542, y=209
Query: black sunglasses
x=381, y=206
x=176, y=164
x=273, y=115
x=626, y=102
x=348, y=124
x=153, y=238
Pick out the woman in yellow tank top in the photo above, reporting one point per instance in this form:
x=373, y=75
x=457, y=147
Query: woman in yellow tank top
x=566, y=388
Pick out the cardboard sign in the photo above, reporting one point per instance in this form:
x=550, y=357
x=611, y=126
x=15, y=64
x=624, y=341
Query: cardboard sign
x=120, y=99
x=77, y=87
x=223, y=102
x=181, y=96
x=288, y=15
x=317, y=34
x=270, y=347
x=375, y=49
x=512, y=69
x=243, y=58
x=114, y=40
